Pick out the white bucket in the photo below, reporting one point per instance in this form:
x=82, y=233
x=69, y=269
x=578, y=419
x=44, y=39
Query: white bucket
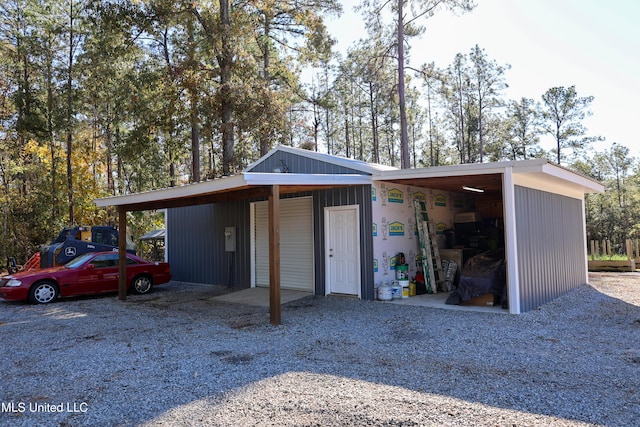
x=405, y=288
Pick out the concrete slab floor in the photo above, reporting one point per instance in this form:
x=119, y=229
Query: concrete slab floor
x=259, y=297
x=438, y=301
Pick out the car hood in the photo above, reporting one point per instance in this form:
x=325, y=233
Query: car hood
x=23, y=274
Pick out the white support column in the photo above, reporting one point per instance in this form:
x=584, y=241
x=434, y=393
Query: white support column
x=511, y=246
x=584, y=239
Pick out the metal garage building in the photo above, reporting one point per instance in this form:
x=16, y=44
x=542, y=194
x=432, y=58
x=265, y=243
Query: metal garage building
x=217, y=231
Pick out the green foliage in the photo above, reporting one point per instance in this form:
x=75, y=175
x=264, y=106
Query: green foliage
x=162, y=93
x=562, y=114
x=132, y=95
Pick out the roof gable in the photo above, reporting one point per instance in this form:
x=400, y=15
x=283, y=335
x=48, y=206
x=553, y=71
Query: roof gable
x=297, y=160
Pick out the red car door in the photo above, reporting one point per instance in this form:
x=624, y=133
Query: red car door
x=99, y=275
x=108, y=272
x=82, y=281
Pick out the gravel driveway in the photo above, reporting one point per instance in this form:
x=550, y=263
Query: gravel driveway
x=175, y=357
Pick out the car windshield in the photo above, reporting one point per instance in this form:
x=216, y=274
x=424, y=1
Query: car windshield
x=77, y=261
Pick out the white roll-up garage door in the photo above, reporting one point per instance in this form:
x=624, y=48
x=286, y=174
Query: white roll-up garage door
x=296, y=244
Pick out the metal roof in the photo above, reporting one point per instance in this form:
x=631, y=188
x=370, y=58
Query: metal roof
x=244, y=185
x=154, y=235
x=536, y=173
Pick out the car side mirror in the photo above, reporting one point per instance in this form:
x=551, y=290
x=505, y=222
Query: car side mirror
x=91, y=267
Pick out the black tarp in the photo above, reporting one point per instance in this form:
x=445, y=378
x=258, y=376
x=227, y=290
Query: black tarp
x=483, y=273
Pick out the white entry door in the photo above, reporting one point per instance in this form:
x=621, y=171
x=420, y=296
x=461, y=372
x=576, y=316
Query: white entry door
x=343, y=250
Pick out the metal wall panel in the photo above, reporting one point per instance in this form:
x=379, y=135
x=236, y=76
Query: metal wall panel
x=550, y=244
x=196, y=240
x=196, y=244
x=300, y=164
x=356, y=195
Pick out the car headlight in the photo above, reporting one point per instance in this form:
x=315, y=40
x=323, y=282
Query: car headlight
x=13, y=283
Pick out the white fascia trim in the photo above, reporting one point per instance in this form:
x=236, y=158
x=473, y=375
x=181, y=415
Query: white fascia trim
x=205, y=187
x=232, y=182
x=554, y=179
x=567, y=175
x=553, y=175
x=266, y=178
x=443, y=171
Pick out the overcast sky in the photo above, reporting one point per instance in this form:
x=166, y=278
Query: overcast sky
x=592, y=44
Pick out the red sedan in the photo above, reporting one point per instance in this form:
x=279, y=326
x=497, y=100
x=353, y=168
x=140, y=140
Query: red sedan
x=91, y=273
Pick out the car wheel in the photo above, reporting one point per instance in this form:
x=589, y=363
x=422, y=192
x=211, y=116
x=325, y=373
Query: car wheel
x=141, y=285
x=43, y=293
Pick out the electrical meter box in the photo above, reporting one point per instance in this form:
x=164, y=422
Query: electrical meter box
x=230, y=239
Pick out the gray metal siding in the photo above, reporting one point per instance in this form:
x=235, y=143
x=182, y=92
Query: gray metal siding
x=356, y=195
x=300, y=164
x=550, y=244
x=196, y=244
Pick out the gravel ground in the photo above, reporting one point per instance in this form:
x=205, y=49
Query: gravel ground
x=175, y=357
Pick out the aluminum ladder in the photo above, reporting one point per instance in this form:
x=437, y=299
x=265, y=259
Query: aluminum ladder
x=431, y=262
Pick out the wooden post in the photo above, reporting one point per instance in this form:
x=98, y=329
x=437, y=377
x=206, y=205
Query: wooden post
x=274, y=255
x=122, y=253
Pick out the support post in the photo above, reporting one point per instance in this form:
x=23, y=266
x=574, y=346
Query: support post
x=511, y=240
x=274, y=255
x=122, y=253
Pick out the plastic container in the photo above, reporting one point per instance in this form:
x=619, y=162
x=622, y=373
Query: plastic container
x=385, y=293
x=396, y=290
x=405, y=288
x=412, y=289
x=402, y=272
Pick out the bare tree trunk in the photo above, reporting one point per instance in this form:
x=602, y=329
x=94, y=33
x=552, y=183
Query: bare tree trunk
x=264, y=140
x=193, y=96
x=461, y=112
x=558, y=139
x=413, y=144
x=405, y=162
x=225, y=59
x=52, y=144
x=347, y=136
x=195, y=140
x=431, y=159
x=316, y=125
x=72, y=219
x=374, y=126
x=109, y=143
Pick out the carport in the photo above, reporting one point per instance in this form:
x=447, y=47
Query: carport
x=245, y=186
x=540, y=204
